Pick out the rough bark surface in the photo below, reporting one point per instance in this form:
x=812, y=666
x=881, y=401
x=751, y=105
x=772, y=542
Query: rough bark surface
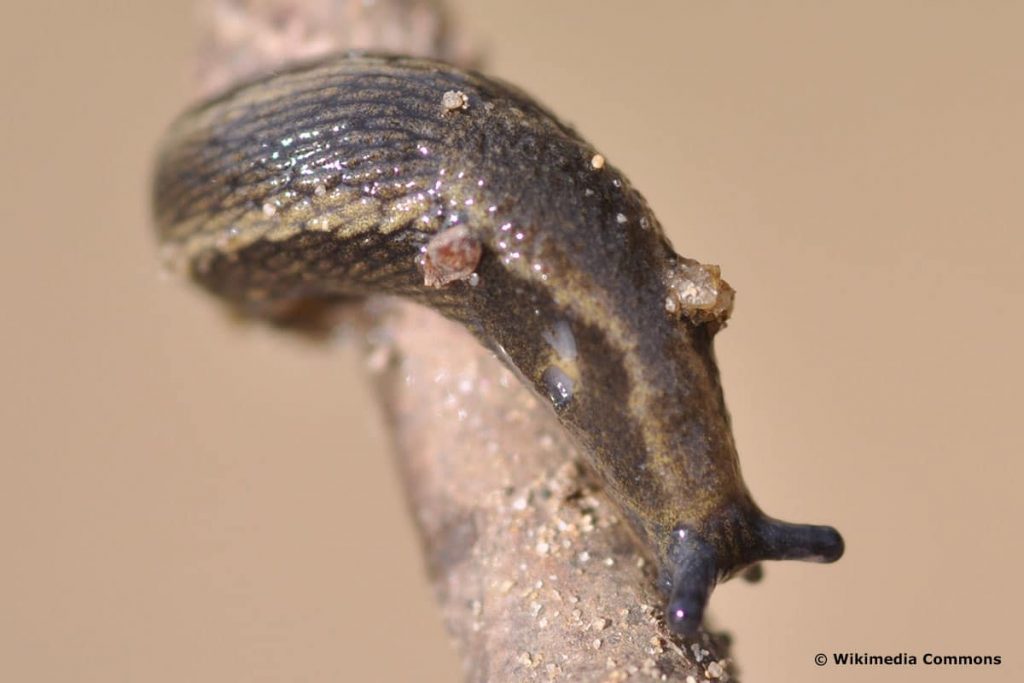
x=536, y=575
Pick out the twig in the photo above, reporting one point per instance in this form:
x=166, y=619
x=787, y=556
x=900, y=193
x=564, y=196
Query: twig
x=536, y=575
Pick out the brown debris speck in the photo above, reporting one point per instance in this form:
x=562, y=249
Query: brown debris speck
x=450, y=256
x=699, y=293
x=454, y=100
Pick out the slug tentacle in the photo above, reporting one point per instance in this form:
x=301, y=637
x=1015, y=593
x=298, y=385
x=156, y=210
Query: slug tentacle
x=694, y=574
x=807, y=542
x=363, y=175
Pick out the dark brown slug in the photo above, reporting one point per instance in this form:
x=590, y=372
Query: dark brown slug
x=367, y=175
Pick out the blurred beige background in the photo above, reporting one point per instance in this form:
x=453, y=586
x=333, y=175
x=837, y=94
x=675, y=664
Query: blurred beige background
x=182, y=499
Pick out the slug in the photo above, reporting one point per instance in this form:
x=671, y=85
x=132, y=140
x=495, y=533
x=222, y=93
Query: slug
x=364, y=174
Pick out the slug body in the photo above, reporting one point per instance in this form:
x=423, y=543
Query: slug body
x=365, y=175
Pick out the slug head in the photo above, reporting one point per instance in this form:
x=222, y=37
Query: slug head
x=695, y=563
